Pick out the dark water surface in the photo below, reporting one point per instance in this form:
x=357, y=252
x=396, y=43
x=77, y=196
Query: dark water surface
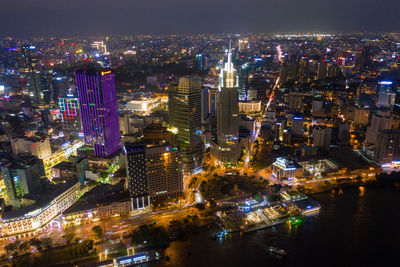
x=352, y=229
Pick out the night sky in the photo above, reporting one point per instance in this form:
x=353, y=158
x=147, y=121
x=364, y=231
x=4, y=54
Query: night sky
x=68, y=17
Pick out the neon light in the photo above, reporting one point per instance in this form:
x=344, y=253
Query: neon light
x=385, y=83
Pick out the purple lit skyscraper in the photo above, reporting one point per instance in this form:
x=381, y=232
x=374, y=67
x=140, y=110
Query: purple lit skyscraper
x=99, y=110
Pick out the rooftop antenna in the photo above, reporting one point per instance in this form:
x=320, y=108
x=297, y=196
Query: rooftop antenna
x=230, y=56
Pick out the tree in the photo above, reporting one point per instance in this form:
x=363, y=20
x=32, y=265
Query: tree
x=121, y=248
x=24, y=246
x=149, y=234
x=98, y=231
x=46, y=243
x=69, y=236
x=11, y=247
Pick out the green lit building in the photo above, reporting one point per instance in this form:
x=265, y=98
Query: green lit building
x=22, y=176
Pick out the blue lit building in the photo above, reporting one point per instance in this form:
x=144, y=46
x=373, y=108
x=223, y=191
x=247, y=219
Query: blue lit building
x=286, y=169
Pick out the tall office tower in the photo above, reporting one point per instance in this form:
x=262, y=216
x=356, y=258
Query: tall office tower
x=318, y=107
x=295, y=102
x=185, y=112
x=200, y=62
x=344, y=133
x=99, y=111
x=227, y=148
x=396, y=107
x=297, y=124
x=153, y=172
x=386, y=94
x=164, y=171
x=382, y=120
x=322, y=137
x=71, y=115
x=243, y=82
x=136, y=172
x=289, y=71
x=28, y=67
x=322, y=70
x=22, y=176
x=361, y=116
x=204, y=105
x=387, y=149
x=212, y=100
x=363, y=58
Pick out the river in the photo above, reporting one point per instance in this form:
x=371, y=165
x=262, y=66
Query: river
x=352, y=229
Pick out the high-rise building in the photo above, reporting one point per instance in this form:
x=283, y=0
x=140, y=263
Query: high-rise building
x=99, y=110
x=386, y=94
x=200, y=62
x=382, y=120
x=136, y=172
x=243, y=82
x=185, y=112
x=387, y=148
x=322, y=70
x=153, y=172
x=297, y=124
x=164, y=171
x=29, y=70
x=322, y=137
x=226, y=149
x=295, y=102
x=22, y=176
x=361, y=116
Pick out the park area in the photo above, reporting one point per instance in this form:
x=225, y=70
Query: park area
x=227, y=186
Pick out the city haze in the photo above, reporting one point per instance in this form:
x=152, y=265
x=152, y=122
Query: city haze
x=96, y=17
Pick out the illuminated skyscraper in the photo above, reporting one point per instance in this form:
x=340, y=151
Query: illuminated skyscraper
x=28, y=67
x=386, y=94
x=153, y=172
x=226, y=149
x=99, y=110
x=185, y=115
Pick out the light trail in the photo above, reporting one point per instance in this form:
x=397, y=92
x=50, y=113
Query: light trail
x=258, y=123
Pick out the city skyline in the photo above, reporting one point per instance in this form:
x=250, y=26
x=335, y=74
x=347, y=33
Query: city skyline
x=124, y=143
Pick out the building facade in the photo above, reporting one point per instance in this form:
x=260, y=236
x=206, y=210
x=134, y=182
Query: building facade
x=99, y=111
x=71, y=115
x=33, y=218
x=153, y=172
x=35, y=146
x=185, y=112
x=23, y=176
x=288, y=169
x=226, y=149
x=29, y=70
x=387, y=148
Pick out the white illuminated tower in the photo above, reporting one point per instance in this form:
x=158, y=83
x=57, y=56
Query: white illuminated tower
x=227, y=149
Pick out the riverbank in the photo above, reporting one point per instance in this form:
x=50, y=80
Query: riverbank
x=343, y=232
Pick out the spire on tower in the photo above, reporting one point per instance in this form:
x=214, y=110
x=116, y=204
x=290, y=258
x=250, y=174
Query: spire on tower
x=229, y=65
